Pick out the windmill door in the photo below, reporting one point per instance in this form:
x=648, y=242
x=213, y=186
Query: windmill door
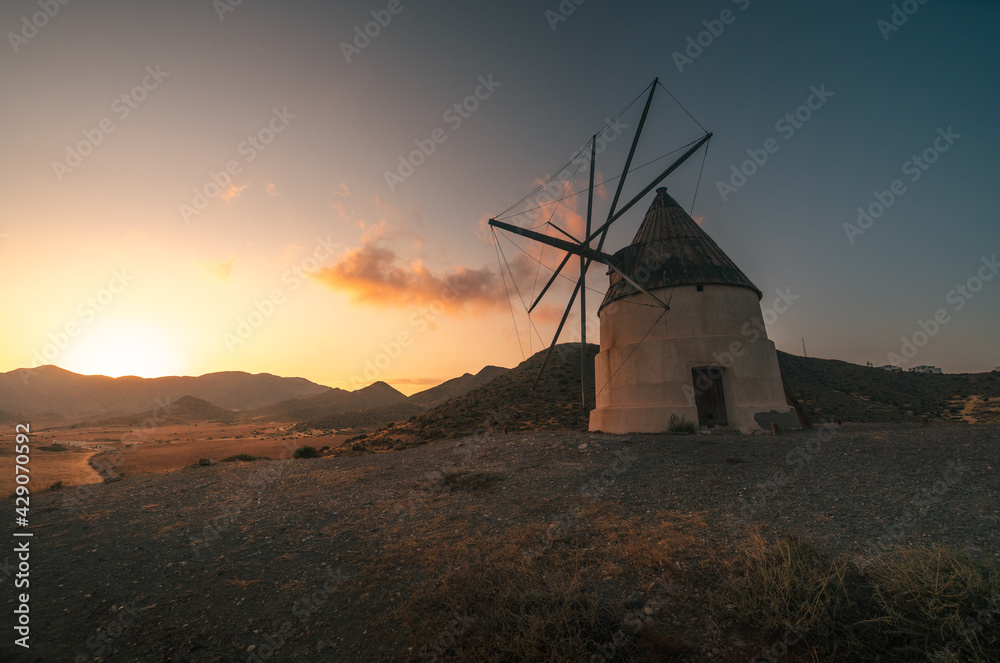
x=708, y=396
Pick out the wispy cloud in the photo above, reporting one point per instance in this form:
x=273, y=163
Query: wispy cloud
x=221, y=270
x=232, y=192
x=375, y=274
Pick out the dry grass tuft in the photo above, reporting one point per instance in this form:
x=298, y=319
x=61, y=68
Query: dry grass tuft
x=563, y=590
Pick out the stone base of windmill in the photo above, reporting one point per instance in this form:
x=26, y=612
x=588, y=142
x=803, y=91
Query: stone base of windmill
x=643, y=385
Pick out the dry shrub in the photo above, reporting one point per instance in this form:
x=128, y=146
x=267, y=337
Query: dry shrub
x=938, y=604
x=912, y=605
x=786, y=584
x=552, y=591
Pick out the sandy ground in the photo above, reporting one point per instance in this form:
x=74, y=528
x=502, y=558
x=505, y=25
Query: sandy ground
x=208, y=564
x=142, y=451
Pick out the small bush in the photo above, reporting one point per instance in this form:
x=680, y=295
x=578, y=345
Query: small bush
x=788, y=584
x=939, y=603
x=54, y=447
x=241, y=457
x=912, y=605
x=58, y=485
x=464, y=479
x=306, y=452
x=680, y=424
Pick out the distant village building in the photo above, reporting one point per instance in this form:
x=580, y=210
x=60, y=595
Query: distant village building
x=707, y=359
x=925, y=369
x=891, y=368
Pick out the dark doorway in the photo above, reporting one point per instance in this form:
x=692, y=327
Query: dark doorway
x=708, y=396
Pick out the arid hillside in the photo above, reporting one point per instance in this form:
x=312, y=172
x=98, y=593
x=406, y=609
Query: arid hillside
x=837, y=390
x=827, y=390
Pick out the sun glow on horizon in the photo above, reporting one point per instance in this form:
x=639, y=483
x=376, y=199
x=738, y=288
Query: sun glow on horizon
x=131, y=349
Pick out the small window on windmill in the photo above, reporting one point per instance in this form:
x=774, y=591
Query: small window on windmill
x=700, y=287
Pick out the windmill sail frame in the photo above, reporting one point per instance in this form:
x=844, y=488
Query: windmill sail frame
x=583, y=249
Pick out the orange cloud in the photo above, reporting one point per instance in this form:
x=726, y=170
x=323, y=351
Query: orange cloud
x=232, y=191
x=377, y=275
x=221, y=270
x=550, y=314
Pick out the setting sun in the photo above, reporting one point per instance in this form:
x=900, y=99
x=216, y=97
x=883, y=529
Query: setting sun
x=123, y=348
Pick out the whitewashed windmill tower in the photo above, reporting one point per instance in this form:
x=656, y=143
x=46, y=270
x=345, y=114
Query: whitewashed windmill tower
x=674, y=321
x=696, y=360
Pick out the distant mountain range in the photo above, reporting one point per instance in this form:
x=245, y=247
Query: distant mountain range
x=55, y=395
x=333, y=401
x=826, y=389
x=50, y=392
x=185, y=410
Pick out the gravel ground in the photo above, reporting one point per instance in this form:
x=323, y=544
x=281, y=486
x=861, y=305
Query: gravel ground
x=223, y=563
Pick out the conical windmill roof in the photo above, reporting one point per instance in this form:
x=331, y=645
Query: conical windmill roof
x=670, y=249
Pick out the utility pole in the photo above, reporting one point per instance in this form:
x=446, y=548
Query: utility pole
x=804, y=347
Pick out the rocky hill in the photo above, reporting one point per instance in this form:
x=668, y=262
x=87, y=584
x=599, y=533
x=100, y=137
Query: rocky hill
x=837, y=390
x=506, y=402
x=362, y=419
x=333, y=401
x=827, y=390
x=185, y=410
x=456, y=387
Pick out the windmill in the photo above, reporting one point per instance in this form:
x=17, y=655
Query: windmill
x=708, y=362
x=584, y=249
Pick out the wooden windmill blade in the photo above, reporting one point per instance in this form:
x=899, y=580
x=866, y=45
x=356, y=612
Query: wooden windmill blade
x=614, y=203
x=583, y=249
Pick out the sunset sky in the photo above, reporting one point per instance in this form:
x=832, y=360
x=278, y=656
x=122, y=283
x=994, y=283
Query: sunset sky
x=127, y=248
